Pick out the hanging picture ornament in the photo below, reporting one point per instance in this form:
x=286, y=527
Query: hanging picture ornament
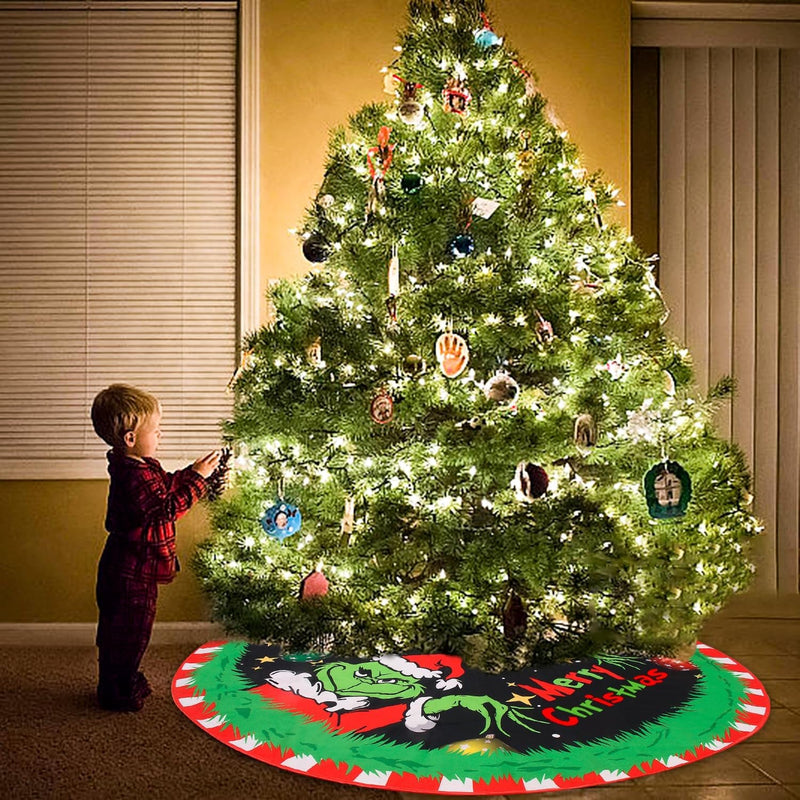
x=452, y=354
x=411, y=183
x=315, y=584
x=316, y=248
x=502, y=388
x=382, y=407
x=281, y=520
x=379, y=159
x=585, y=433
x=485, y=37
x=668, y=490
x=530, y=481
x=410, y=110
x=456, y=96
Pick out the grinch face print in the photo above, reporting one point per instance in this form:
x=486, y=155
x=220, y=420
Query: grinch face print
x=370, y=679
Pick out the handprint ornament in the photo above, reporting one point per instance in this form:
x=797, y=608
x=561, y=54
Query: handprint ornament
x=452, y=354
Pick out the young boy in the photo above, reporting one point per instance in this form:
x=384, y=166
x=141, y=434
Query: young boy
x=143, y=503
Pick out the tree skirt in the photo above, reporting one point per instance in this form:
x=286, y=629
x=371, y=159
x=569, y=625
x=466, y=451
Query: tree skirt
x=425, y=723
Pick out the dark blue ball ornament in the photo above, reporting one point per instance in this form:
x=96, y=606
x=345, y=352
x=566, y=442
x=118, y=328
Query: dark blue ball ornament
x=281, y=520
x=462, y=245
x=487, y=38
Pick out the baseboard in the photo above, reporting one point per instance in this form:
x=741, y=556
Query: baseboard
x=79, y=634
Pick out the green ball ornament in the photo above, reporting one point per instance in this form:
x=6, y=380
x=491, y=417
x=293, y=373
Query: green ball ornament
x=411, y=183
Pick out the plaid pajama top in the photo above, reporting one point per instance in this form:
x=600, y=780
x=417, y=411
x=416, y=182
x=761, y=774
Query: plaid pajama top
x=143, y=503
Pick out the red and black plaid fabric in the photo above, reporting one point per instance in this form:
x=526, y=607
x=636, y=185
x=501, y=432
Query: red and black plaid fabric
x=143, y=503
x=127, y=613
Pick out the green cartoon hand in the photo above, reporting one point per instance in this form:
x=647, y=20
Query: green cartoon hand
x=491, y=710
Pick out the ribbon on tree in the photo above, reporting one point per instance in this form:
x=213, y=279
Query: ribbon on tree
x=383, y=153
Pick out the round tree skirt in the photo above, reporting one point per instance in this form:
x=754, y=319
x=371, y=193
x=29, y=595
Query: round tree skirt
x=425, y=723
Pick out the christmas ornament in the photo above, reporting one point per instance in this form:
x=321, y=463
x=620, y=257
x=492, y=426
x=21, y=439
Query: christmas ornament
x=411, y=183
x=669, y=383
x=348, y=520
x=281, y=520
x=502, y=388
x=483, y=207
x=485, y=37
x=515, y=618
x=456, y=96
x=414, y=365
x=326, y=200
x=543, y=329
x=452, y=354
x=585, y=433
x=668, y=490
x=316, y=248
x=218, y=480
x=376, y=195
x=394, y=273
x=462, y=245
x=642, y=424
x=410, y=109
x=471, y=425
x=530, y=481
x=382, y=408
x=488, y=745
x=379, y=159
x=314, y=353
x=615, y=367
x=315, y=584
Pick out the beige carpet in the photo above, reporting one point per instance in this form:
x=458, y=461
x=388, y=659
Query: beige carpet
x=56, y=743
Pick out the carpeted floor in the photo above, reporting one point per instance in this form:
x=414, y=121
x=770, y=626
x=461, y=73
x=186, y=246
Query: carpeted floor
x=56, y=743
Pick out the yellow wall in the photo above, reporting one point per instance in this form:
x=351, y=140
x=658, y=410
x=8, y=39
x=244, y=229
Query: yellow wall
x=320, y=63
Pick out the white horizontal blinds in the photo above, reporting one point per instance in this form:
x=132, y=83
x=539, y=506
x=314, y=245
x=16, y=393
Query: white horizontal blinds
x=730, y=172
x=120, y=225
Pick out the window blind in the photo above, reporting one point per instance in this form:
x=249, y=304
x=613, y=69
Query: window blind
x=117, y=224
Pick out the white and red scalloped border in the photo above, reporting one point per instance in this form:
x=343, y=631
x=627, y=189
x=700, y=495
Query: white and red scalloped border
x=751, y=716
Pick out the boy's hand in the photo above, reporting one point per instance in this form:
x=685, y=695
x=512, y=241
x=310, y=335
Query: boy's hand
x=207, y=464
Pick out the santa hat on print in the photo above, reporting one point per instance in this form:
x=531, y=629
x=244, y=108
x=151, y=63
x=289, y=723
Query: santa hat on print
x=427, y=666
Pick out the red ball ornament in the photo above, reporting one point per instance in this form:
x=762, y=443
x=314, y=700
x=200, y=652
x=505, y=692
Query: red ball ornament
x=530, y=481
x=315, y=584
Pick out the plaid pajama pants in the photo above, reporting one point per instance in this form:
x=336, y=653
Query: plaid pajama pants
x=127, y=611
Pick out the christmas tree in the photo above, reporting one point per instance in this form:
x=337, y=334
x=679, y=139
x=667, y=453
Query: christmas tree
x=465, y=429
